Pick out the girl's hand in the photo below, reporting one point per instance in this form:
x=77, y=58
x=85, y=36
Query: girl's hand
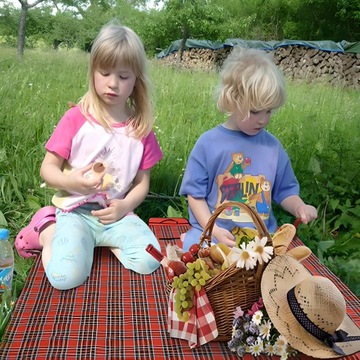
x=84, y=185
x=115, y=211
x=306, y=213
x=224, y=236
x=52, y=173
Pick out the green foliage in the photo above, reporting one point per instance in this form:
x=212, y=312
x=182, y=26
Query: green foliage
x=76, y=22
x=179, y=209
x=7, y=302
x=321, y=145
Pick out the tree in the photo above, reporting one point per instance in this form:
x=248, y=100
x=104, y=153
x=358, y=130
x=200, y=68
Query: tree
x=9, y=24
x=25, y=6
x=183, y=19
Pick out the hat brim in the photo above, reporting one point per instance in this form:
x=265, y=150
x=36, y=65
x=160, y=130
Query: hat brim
x=280, y=275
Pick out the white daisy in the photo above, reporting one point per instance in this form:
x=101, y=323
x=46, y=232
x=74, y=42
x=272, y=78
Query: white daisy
x=270, y=349
x=257, y=348
x=246, y=257
x=284, y=355
x=256, y=318
x=280, y=345
x=264, y=330
x=281, y=341
x=262, y=252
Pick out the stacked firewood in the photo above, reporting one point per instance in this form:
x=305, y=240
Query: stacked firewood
x=297, y=62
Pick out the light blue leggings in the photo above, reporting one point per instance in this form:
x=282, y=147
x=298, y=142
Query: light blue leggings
x=76, y=235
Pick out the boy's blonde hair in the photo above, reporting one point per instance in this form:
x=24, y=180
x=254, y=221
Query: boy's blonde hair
x=114, y=45
x=250, y=81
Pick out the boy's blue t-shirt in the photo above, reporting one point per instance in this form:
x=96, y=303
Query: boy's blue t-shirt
x=227, y=165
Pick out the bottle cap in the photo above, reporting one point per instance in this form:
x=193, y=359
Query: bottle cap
x=4, y=234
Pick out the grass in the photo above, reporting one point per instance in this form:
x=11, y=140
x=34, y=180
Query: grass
x=318, y=127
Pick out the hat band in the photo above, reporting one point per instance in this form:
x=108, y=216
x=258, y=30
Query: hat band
x=310, y=327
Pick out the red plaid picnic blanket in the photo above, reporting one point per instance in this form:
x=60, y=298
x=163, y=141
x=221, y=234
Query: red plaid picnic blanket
x=200, y=328
x=116, y=314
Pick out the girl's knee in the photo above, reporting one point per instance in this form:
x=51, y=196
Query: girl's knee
x=149, y=267
x=66, y=282
x=143, y=266
x=66, y=277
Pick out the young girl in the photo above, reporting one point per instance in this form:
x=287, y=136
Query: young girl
x=239, y=160
x=99, y=156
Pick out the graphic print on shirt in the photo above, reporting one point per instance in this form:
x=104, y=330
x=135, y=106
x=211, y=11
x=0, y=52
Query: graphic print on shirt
x=251, y=189
x=112, y=184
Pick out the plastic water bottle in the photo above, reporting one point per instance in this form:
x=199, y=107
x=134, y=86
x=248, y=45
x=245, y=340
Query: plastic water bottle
x=6, y=262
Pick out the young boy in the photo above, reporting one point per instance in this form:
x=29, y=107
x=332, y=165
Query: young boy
x=239, y=160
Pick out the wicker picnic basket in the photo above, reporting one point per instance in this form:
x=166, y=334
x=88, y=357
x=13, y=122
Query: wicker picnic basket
x=233, y=286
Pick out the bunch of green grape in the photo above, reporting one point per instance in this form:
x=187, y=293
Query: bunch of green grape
x=196, y=276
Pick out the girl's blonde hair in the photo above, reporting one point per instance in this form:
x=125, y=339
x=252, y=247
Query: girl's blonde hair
x=114, y=45
x=250, y=81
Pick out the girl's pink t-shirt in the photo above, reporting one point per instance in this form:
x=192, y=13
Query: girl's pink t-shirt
x=81, y=142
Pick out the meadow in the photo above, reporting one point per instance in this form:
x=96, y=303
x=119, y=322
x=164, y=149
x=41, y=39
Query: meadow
x=319, y=127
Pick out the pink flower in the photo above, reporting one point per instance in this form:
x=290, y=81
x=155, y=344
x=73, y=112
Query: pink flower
x=256, y=306
x=238, y=312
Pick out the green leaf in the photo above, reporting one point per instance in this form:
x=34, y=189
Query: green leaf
x=325, y=245
x=3, y=222
x=16, y=188
x=171, y=212
x=334, y=203
x=33, y=202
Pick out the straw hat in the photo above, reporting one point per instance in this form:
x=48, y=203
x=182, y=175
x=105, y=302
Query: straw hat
x=308, y=310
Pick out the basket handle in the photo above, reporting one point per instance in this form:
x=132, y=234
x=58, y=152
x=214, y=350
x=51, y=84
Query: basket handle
x=258, y=222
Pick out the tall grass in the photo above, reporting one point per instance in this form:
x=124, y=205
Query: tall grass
x=318, y=126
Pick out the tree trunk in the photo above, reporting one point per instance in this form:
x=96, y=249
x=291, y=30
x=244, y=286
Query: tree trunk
x=185, y=35
x=22, y=30
x=22, y=25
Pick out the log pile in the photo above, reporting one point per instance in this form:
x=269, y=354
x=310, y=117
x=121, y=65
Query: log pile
x=297, y=62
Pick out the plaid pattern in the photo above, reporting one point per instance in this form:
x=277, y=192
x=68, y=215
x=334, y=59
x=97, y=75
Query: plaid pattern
x=116, y=314
x=200, y=328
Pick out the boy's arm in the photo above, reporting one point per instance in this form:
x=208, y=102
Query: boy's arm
x=202, y=213
x=295, y=206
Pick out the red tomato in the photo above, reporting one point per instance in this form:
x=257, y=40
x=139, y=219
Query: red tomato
x=187, y=257
x=194, y=248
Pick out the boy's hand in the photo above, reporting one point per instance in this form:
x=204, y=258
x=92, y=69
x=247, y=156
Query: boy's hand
x=224, y=236
x=306, y=213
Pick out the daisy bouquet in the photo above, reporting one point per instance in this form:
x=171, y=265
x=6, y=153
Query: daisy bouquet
x=249, y=252
x=254, y=333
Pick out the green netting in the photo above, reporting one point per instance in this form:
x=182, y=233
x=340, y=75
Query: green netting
x=191, y=43
x=353, y=47
x=324, y=45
